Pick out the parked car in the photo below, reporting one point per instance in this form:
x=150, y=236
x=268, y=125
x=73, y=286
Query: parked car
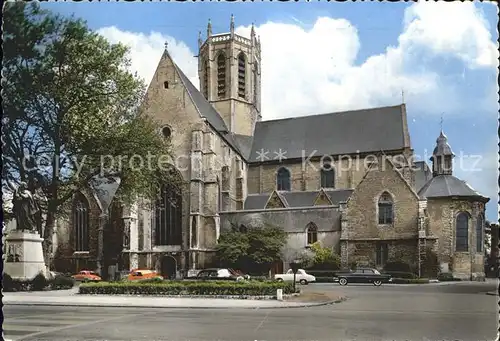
x=301, y=277
x=362, y=275
x=217, y=274
x=143, y=274
x=86, y=276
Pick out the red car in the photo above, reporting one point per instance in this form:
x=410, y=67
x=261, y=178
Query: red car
x=86, y=276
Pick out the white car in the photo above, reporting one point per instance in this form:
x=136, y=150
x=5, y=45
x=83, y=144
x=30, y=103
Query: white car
x=302, y=277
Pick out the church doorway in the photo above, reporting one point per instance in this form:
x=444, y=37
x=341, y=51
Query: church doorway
x=168, y=267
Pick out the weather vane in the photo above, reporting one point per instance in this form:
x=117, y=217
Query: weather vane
x=403, y=95
x=441, y=123
x=166, y=45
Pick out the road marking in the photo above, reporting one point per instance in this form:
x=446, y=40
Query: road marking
x=262, y=322
x=80, y=325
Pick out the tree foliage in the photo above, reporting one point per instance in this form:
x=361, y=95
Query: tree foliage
x=72, y=111
x=324, y=257
x=253, y=250
x=303, y=255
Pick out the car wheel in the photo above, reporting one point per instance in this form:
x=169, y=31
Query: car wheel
x=303, y=282
x=377, y=283
x=343, y=281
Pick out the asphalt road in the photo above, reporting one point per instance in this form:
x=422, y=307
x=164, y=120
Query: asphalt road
x=426, y=312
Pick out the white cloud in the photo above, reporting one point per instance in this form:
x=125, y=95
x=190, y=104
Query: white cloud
x=146, y=50
x=314, y=71
x=451, y=28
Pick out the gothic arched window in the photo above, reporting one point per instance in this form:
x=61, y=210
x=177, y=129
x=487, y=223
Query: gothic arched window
x=385, y=209
x=206, y=75
x=241, y=75
x=81, y=223
x=168, y=216
x=479, y=233
x=283, y=179
x=221, y=75
x=312, y=233
x=328, y=176
x=462, y=232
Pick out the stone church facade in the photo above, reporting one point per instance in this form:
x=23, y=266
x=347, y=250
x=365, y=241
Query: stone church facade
x=345, y=179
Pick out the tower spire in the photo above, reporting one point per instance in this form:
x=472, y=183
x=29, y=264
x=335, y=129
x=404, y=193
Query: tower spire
x=209, y=28
x=232, y=24
x=403, y=96
x=200, y=42
x=441, y=122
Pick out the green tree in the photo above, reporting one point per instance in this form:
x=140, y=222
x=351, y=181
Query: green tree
x=72, y=111
x=252, y=250
x=324, y=257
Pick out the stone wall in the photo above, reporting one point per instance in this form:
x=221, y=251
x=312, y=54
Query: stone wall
x=363, y=253
x=442, y=224
x=294, y=222
x=65, y=258
x=362, y=207
x=305, y=173
x=200, y=155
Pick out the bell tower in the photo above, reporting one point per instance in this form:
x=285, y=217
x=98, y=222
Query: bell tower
x=442, y=157
x=229, y=68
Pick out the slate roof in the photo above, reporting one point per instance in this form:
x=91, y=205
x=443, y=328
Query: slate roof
x=422, y=174
x=245, y=144
x=296, y=199
x=448, y=186
x=442, y=147
x=331, y=134
x=367, y=130
x=207, y=111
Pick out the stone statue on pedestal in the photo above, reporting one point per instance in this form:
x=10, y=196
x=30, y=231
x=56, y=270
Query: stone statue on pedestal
x=25, y=208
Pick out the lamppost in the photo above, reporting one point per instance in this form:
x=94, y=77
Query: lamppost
x=295, y=265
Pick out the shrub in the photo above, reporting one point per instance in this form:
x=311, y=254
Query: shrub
x=430, y=266
x=39, y=282
x=324, y=258
x=397, y=267
x=248, y=288
x=151, y=280
x=447, y=277
x=61, y=283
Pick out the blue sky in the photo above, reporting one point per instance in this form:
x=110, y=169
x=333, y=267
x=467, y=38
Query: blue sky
x=325, y=57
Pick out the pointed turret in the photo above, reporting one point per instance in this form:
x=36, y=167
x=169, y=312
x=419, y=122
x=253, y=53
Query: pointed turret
x=209, y=29
x=442, y=157
x=200, y=42
x=232, y=25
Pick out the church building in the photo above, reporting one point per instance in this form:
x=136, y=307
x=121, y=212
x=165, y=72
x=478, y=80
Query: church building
x=345, y=179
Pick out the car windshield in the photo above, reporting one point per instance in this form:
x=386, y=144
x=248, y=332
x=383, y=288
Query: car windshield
x=376, y=271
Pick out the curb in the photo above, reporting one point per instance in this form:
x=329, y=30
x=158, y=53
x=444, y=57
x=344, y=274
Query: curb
x=305, y=305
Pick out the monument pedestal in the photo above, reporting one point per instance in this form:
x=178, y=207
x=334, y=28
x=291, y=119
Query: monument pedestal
x=23, y=257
